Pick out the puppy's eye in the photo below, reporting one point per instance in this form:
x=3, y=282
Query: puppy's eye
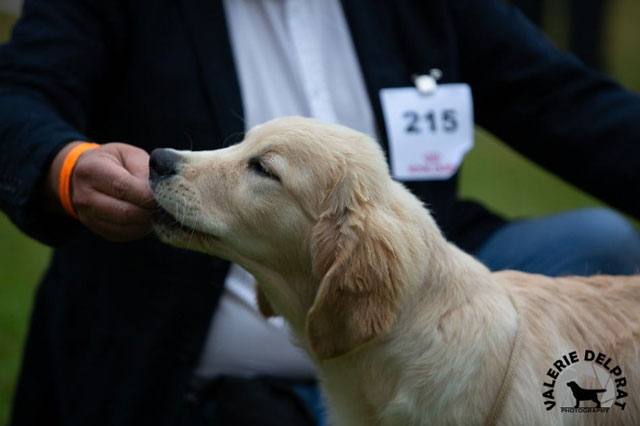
x=256, y=165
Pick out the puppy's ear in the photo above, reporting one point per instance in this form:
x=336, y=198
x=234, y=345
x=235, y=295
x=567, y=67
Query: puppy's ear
x=264, y=306
x=353, y=252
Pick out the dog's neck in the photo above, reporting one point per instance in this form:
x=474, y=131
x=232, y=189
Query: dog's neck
x=459, y=342
x=439, y=307
x=290, y=294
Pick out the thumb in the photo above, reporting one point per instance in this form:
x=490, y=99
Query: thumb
x=136, y=162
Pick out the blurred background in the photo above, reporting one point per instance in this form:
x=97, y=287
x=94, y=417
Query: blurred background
x=492, y=173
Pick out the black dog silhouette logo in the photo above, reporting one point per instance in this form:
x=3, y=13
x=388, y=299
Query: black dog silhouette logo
x=585, y=382
x=581, y=394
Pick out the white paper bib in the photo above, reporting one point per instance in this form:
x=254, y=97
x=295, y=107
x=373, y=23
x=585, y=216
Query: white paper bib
x=429, y=134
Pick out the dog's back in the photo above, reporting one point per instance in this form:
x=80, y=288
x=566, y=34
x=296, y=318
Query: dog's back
x=596, y=317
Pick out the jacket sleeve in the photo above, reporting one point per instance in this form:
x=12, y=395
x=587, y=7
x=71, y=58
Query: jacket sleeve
x=547, y=105
x=48, y=72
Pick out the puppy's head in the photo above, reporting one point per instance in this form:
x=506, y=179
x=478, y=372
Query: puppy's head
x=305, y=206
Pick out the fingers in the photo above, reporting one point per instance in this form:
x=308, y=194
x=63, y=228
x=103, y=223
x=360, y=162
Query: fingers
x=113, y=219
x=118, y=183
x=136, y=161
x=105, y=208
x=118, y=170
x=111, y=194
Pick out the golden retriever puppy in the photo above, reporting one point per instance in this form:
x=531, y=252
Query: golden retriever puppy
x=405, y=328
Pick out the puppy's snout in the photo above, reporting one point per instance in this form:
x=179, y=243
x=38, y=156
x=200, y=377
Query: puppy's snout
x=163, y=163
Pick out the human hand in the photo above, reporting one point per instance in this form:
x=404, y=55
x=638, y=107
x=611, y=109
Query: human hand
x=109, y=190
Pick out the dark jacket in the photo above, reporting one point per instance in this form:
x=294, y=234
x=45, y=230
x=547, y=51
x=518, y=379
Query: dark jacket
x=117, y=328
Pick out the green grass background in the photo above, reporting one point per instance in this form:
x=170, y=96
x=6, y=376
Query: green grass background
x=493, y=173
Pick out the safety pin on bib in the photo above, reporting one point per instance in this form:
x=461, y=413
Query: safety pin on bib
x=427, y=83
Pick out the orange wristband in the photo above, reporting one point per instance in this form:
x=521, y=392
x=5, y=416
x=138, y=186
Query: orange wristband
x=65, y=175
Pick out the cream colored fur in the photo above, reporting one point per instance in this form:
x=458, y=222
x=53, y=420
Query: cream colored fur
x=404, y=327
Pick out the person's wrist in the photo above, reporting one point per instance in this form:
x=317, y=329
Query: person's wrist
x=68, y=164
x=50, y=195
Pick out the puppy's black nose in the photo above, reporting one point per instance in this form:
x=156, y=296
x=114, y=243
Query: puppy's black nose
x=162, y=163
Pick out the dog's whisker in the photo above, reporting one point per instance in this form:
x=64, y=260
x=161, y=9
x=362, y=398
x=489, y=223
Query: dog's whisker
x=232, y=137
x=239, y=116
x=184, y=209
x=190, y=139
x=193, y=228
x=148, y=199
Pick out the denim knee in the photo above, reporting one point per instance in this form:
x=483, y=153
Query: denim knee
x=609, y=240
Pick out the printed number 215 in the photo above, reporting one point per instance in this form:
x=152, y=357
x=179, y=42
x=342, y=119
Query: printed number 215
x=447, y=121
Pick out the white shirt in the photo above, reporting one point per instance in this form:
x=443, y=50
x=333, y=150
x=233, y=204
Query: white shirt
x=293, y=57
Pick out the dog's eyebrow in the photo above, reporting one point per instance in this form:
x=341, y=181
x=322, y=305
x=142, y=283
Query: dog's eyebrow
x=267, y=152
x=266, y=155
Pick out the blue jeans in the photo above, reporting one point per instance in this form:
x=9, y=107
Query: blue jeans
x=580, y=242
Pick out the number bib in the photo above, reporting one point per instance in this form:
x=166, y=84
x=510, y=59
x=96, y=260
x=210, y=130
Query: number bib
x=429, y=134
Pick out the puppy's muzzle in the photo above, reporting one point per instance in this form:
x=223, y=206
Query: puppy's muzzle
x=163, y=163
